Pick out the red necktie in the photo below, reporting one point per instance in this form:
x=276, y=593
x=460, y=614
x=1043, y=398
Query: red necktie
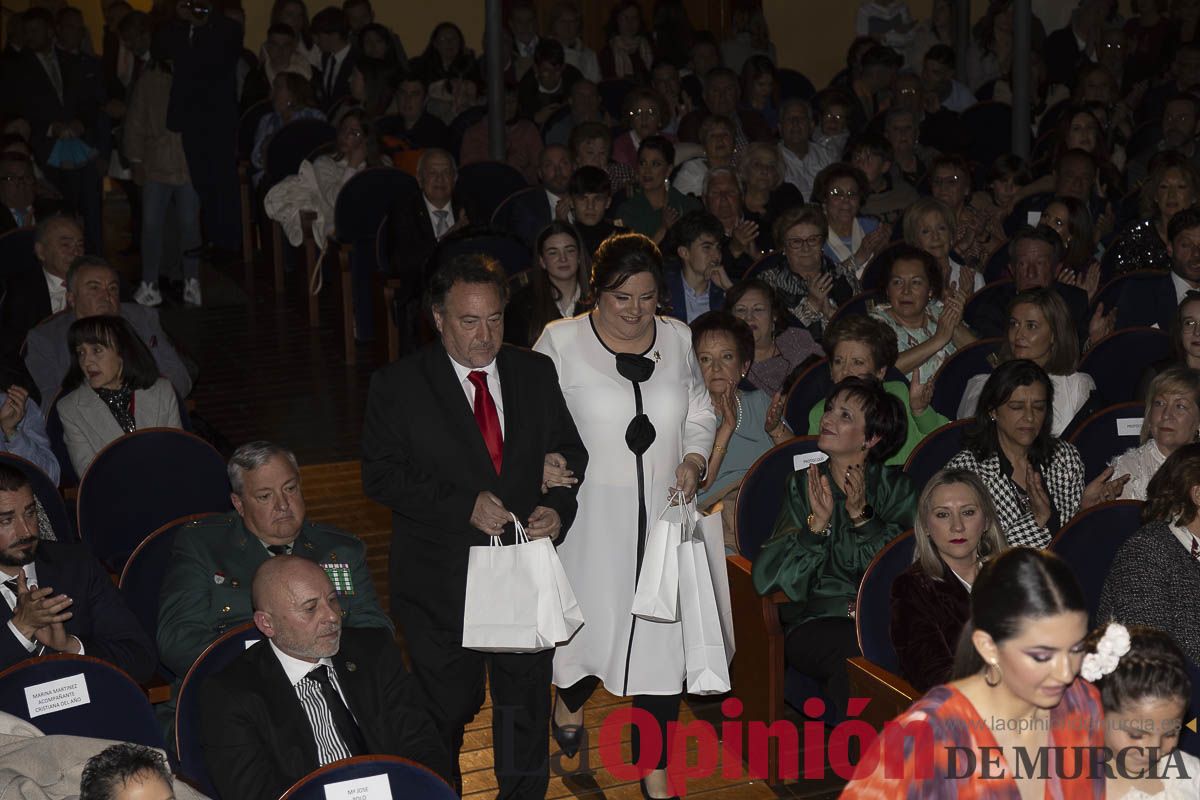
x=488, y=419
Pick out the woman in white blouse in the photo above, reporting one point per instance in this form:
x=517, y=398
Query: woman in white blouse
x=1172, y=420
x=1041, y=330
x=634, y=388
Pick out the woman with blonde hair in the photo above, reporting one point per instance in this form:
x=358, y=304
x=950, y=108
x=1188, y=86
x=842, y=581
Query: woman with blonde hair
x=930, y=224
x=1172, y=419
x=955, y=532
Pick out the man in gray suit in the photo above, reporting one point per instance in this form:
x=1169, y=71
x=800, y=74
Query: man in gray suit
x=92, y=290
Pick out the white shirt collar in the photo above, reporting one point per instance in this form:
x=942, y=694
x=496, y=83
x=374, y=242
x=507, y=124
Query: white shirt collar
x=294, y=668
x=58, y=291
x=463, y=373
x=1184, y=536
x=553, y=200
x=30, y=581
x=432, y=208
x=1182, y=287
x=340, y=55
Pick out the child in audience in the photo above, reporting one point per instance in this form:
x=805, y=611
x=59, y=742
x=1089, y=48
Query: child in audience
x=1144, y=687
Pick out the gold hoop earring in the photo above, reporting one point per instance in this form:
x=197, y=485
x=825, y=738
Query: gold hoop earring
x=987, y=674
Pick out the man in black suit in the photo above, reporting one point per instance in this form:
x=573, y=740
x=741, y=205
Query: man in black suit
x=452, y=479
x=57, y=597
x=416, y=224
x=205, y=48
x=421, y=129
x=310, y=693
x=1154, y=300
x=530, y=211
x=60, y=95
x=331, y=33
x=1035, y=257
x=33, y=294
x=1070, y=48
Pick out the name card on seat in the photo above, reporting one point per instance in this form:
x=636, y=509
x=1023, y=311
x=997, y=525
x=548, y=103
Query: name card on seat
x=375, y=787
x=806, y=460
x=1129, y=426
x=57, y=695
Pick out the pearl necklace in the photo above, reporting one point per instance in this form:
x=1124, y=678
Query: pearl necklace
x=737, y=399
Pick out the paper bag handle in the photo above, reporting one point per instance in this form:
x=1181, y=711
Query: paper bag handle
x=522, y=538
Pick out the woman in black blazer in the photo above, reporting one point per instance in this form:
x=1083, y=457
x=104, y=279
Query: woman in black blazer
x=955, y=532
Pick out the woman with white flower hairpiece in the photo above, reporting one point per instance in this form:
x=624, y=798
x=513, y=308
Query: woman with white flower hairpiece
x=1144, y=686
x=1154, y=579
x=1013, y=691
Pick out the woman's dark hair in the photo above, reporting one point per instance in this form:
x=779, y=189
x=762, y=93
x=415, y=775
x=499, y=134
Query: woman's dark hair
x=739, y=289
x=612, y=28
x=545, y=294
x=299, y=88
x=138, y=368
x=1153, y=669
x=620, y=257
x=902, y=251
x=1178, y=354
x=379, y=85
x=1064, y=352
x=1169, y=494
x=1079, y=227
x=838, y=171
x=1006, y=166
x=393, y=59
x=277, y=16
x=981, y=437
x=660, y=144
x=370, y=136
x=107, y=772
x=874, y=333
x=755, y=67
x=724, y=322
x=984, y=30
x=807, y=214
x=464, y=62
x=1062, y=133
x=1016, y=586
x=883, y=413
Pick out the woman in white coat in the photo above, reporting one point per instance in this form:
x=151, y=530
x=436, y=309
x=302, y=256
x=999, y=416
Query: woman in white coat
x=112, y=388
x=632, y=384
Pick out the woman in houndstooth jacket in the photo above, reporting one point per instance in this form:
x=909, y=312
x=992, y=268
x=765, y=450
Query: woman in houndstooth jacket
x=1035, y=479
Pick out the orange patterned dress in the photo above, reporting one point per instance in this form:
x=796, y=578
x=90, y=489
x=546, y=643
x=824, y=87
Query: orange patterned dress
x=960, y=738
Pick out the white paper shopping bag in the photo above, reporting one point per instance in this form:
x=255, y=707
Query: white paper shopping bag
x=501, y=611
x=704, y=657
x=709, y=528
x=656, y=597
x=564, y=615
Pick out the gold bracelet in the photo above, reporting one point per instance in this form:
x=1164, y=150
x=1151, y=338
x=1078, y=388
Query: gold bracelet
x=718, y=448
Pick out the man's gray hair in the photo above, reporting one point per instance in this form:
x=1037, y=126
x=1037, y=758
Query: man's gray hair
x=718, y=172
x=253, y=455
x=436, y=151
x=42, y=230
x=83, y=262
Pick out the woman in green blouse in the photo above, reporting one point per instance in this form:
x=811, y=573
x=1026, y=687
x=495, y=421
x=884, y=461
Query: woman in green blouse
x=656, y=207
x=836, y=516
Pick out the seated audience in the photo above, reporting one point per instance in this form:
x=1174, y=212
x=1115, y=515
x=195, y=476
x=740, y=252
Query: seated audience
x=20, y=206
x=111, y=389
x=268, y=520
x=590, y=143
x=544, y=89
x=1178, y=133
x=130, y=772
x=376, y=41
x=528, y=213
x=697, y=285
x=160, y=168
x=760, y=92
x=954, y=535
x=930, y=225
x=31, y=296
x=717, y=135
x=836, y=516
x=666, y=81
x=969, y=236
x=910, y=160
x=372, y=89
x=1155, y=300
x=766, y=195
x=583, y=105
x=779, y=348
x=887, y=193
x=802, y=158
x=309, y=693
x=810, y=285
x=628, y=53
x=749, y=421
x=421, y=129
x=938, y=73
x=991, y=205
x=331, y=33
x=24, y=431
x=1034, y=478
x=865, y=347
x=925, y=314
x=292, y=98
x=1185, y=342
x=281, y=55
x=657, y=205
x=852, y=240
x=590, y=194
x=557, y=285
x=743, y=237
x=1146, y=692
x=59, y=598
x=722, y=97
x=566, y=26
x=522, y=142
x=1172, y=419
x=1026, y=606
x=93, y=290
x=1035, y=257
x=1040, y=330
x=1153, y=577
x=1072, y=221
x=643, y=114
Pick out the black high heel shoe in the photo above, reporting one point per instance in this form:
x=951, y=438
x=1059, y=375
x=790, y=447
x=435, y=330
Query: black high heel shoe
x=568, y=737
x=648, y=796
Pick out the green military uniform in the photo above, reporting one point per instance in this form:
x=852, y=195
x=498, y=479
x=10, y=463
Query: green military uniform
x=206, y=590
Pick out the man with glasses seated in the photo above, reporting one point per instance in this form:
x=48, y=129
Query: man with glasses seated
x=19, y=206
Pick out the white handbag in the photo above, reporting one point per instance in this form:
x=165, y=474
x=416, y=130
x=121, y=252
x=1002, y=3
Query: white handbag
x=656, y=597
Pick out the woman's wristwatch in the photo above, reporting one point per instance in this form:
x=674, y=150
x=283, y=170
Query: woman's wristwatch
x=865, y=516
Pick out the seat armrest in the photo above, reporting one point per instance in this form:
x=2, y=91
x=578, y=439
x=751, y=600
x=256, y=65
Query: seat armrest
x=889, y=694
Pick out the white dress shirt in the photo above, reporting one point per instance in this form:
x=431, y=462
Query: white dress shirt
x=493, y=383
x=552, y=199
x=1182, y=287
x=431, y=208
x=1185, y=537
x=32, y=582
x=295, y=669
x=58, y=292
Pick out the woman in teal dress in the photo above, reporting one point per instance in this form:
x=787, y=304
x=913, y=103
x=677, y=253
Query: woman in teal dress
x=865, y=346
x=837, y=514
x=656, y=206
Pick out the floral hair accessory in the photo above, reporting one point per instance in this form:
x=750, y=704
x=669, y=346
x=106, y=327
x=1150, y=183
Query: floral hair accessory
x=1113, y=644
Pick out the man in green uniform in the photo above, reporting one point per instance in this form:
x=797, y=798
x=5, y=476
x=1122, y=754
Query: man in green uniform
x=206, y=589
